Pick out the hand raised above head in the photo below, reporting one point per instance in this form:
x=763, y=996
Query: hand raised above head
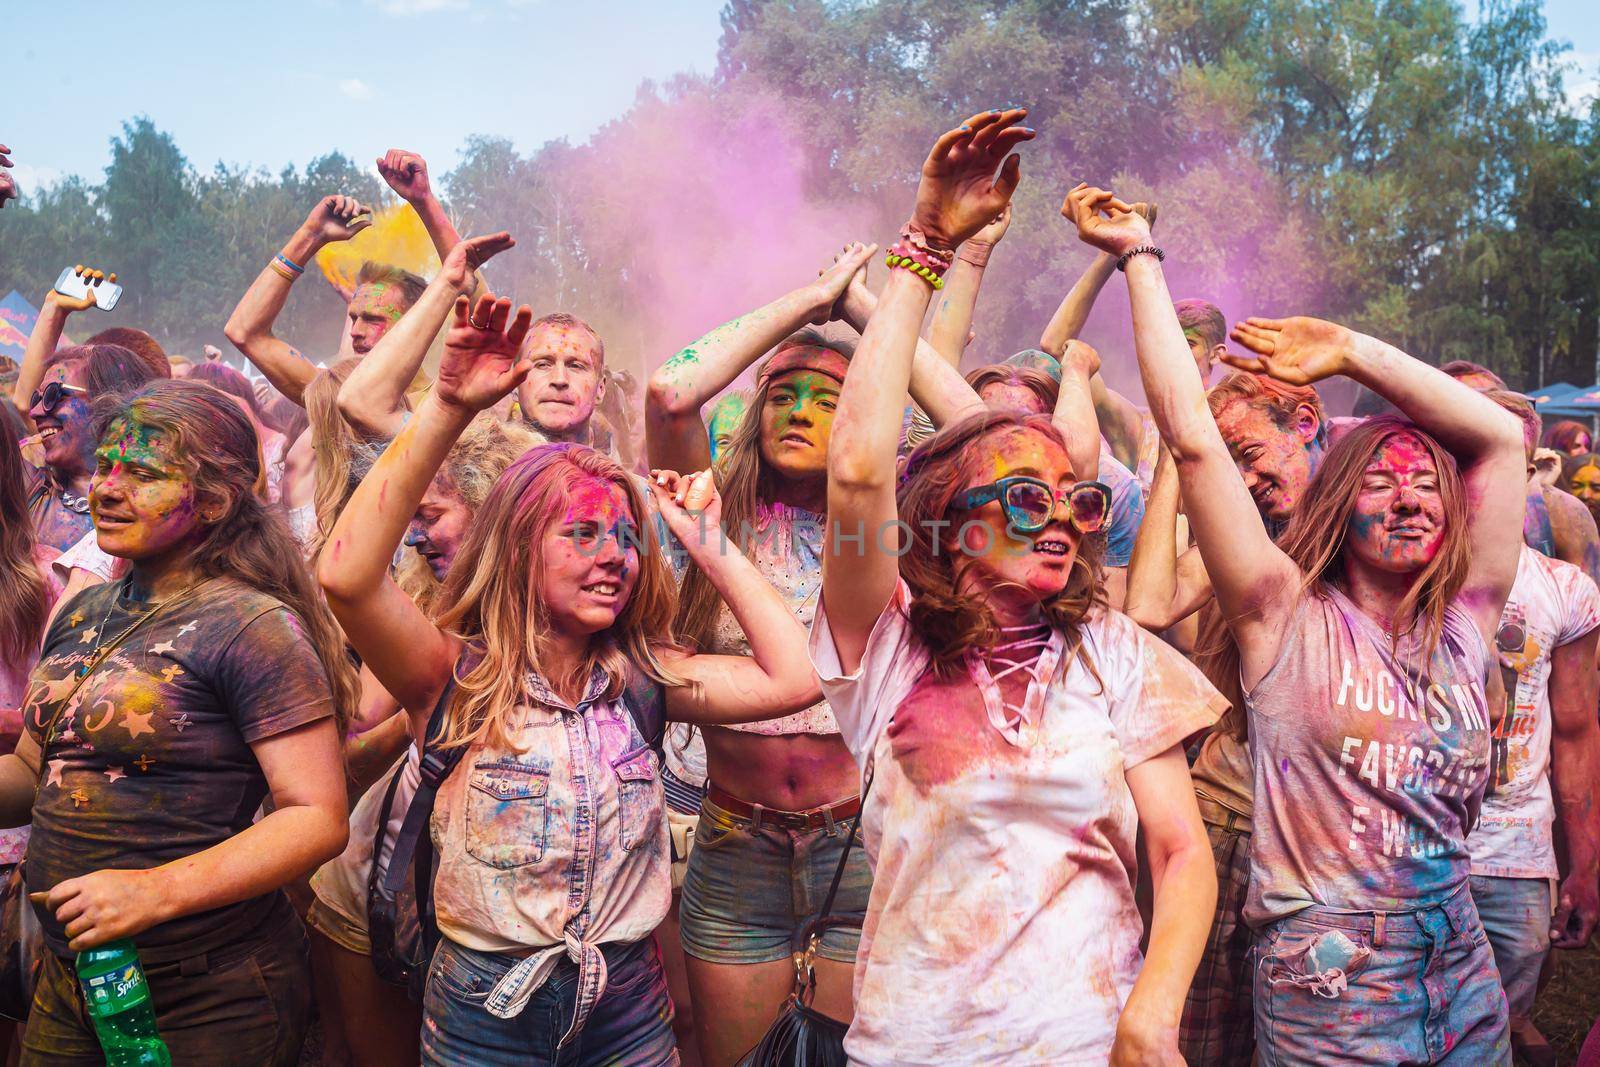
x=828, y=291
x=469, y=254
x=406, y=173
x=960, y=192
x=1298, y=350
x=991, y=234
x=338, y=218
x=482, y=359
x=1080, y=356
x=1103, y=221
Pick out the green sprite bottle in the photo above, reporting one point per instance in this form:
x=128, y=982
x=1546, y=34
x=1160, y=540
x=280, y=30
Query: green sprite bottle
x=119, y=1006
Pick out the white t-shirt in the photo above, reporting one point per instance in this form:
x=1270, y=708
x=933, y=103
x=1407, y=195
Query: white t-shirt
x=1002, y=926
x=86, y=556
x=1551, y=604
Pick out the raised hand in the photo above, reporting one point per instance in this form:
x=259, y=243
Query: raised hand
x=8, y=184
x=471, y=253
x=482, y=359
x=960, y=192
x=1298, y=350
x=689, y=505
x=91, y=279
x=212, y=352
x=406, y=173
x=1103, y=221
x=1081, y=357
x=337, y=218
x=828, y=291
x=991, y=234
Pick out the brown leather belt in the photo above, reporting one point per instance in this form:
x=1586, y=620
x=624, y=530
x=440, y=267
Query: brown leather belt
x=804, y=821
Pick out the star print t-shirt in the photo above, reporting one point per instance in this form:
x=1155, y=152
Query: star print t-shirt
x=150, y=760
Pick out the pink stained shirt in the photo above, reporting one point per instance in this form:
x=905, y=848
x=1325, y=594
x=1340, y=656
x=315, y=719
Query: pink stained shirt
x=1002, y=926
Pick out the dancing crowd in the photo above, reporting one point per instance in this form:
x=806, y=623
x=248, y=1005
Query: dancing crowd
x=451, y=693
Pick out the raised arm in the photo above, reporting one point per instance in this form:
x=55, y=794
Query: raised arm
x=407, y=174
x=1119, y=419
x=675, y=437
x=951, y=325
x=1255, y=582
x=1164, y=587
x=409, y=655
x=1484, y=438
x=959, y=192
x=249, y=328
x=771, y=681
x=1074, y=413
x=937, y=387
x=46, y=335
x=373, y=398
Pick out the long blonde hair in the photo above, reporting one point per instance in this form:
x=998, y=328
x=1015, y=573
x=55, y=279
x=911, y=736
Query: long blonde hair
x=1314, y=540
x=490, y=598
x=342, y=456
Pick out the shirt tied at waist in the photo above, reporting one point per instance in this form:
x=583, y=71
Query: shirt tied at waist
x=514, y=989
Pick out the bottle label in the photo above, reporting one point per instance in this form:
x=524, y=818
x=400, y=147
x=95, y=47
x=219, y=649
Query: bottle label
x=116, y=991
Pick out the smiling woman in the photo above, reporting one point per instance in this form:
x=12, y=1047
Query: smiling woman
x=165, y=708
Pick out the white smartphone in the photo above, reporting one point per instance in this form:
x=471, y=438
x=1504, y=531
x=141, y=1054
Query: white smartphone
x=75, y=285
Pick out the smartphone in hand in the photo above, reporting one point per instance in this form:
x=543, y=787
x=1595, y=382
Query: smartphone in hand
x=78, y=283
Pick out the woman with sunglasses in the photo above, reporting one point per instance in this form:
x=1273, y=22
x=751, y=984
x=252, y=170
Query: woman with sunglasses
x=61, y=410
x=1014, y=734
x=1363, y=636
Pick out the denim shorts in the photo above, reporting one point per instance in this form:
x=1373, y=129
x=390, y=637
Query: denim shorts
x=747, y=891
x=1380, y=988
x=1516, y=915
x=630, y=1026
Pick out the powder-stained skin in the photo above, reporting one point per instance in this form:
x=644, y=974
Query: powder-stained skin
x=67, y=452
x=797, y=422
x=374, y=308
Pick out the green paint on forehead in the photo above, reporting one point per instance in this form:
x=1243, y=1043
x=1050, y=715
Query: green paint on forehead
x=131, y=442
x=380, y=298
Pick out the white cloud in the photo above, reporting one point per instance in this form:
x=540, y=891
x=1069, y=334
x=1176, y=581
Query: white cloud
x=356, y=89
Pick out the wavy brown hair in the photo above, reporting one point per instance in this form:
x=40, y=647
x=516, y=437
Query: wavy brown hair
x=1566, y=435
x=251, y=542
x=24, y=597
x=949, y=622
x=745, y=483
x=1036, y=382
x=490, y=598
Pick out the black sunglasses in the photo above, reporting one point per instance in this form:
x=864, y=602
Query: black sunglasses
x=51, y=396
x=1030, y=503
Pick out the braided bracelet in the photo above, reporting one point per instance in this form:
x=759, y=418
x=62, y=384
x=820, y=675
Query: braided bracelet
x=928, y=274
x=1142, y=250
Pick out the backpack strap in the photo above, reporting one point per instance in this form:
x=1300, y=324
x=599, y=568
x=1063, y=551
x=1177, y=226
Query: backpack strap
x=413, y=846
x=646, y=701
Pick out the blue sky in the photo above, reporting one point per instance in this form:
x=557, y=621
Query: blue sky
x=265, y=83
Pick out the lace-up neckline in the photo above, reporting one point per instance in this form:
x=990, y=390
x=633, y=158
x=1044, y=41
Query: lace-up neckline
x=1034, y=648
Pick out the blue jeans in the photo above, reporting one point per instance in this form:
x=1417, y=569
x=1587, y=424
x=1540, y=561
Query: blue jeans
x=631, y=1026
x=748, y=889
x=1516, y=915
x=1380, y=988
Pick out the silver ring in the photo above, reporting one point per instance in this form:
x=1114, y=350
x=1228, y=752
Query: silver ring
x=476, y=325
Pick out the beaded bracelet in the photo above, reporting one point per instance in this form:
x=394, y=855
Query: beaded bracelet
x=1142, y=250
x=897, y=258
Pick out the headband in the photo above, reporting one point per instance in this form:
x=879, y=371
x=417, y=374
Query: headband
x=804, y=357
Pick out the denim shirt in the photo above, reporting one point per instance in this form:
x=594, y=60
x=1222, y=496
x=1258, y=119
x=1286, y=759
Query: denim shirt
x=555, y=846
